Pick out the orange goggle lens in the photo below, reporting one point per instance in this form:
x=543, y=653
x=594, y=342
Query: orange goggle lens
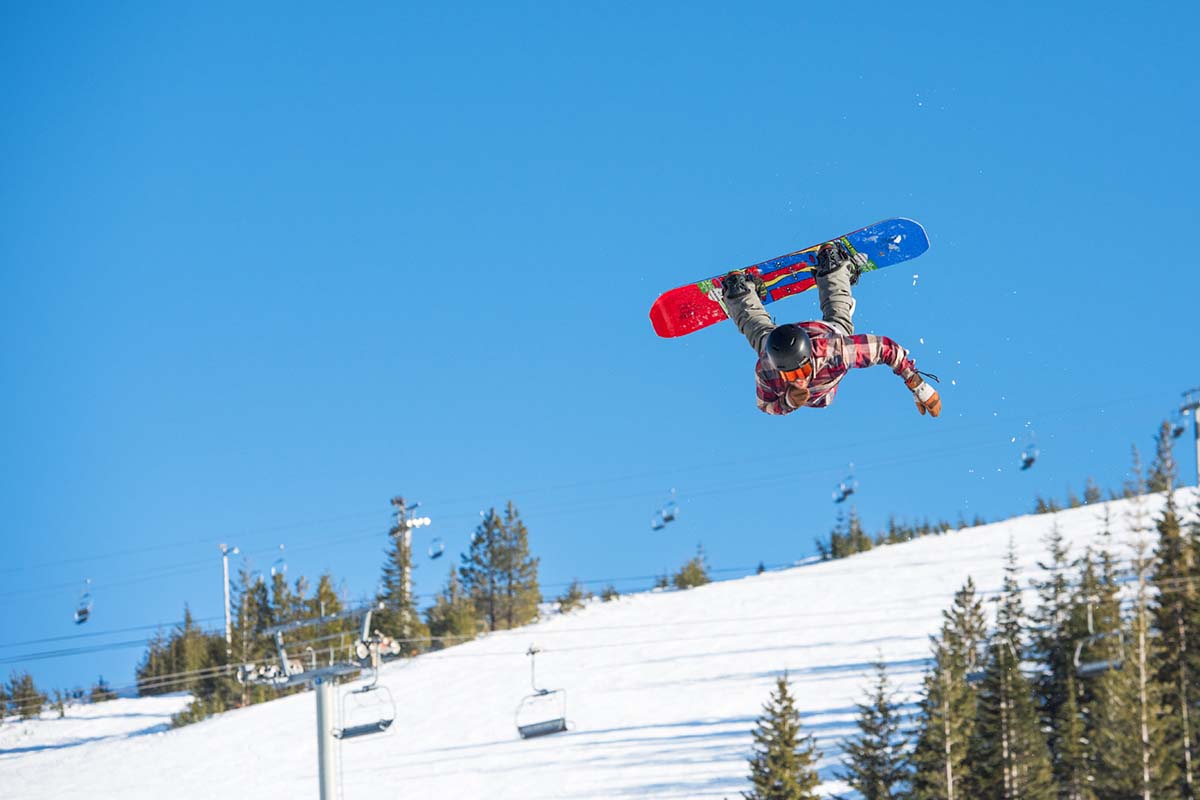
x=804, y=373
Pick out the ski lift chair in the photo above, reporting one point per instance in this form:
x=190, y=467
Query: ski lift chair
x=844, y=490
x=545, y=711
x=1028, y=456
x=670, y=509
x=84, y=609
x=436, y=548
x=1097, y=666
x=279, y=567
x=542, y=713
x=364, y=711
x=1178, y=426
x=656, y=523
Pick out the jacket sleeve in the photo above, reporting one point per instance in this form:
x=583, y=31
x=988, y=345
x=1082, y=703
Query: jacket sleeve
x=771, y=391
x=867, y=350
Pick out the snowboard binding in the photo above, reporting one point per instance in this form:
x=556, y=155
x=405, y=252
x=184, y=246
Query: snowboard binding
x=737, y=284
x=833, y=256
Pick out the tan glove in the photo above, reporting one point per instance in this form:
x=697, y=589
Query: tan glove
x=926, y=396
x=797, y=394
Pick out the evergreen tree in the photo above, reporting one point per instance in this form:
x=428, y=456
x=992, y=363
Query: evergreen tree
x=947, y=706
x=1008, y=753
x=1133, y=759
x=693, y=573
x=1176, y=604
x=4, y=699
x=452, y=618
x=24, y=696
x=479, y=571
x=400, y=618
x=610, y=593
x=101, y=691
x=1162, y=469
x=1091, y=493
x=1056, y=684
x=783, y=764
x=518, y=578
x=499, y=574
x=876, y=766
x=857, y=539
x=576, y=596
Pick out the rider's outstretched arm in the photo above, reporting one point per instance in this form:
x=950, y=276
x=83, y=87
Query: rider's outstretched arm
x=867, y=350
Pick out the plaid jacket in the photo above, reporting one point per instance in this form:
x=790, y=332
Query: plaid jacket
x=834, y=355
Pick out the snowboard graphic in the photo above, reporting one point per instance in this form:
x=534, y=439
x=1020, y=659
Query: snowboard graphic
x=689, y=308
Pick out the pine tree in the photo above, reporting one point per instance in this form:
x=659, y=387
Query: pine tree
x=24, y=696
x=576, y=596
x=101, y=691
x=1176, y=605
x=499, y=574
x=783, y=764
x=452, y=618
x=857, y=538
x=479, y=568
x=1057, y=685
x=693, y=573
x=4, y=698
x=400, y=618
x=947, y=706
x=518, y=579
x=1133, y=756
x=1008, y=753
x=877, y=767
x=1091, y=493
x=1162, y=469
x=610, y=593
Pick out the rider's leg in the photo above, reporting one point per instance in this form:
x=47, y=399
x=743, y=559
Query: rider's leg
x=834, y=274
x=745, y=308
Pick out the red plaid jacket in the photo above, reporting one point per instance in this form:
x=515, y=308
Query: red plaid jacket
x=834, y=355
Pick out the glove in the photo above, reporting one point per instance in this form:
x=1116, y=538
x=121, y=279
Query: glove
x=925, y=395
x=796, y=394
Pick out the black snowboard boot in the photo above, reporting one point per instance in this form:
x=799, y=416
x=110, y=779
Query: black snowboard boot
x=833, y=256
x=737, y=284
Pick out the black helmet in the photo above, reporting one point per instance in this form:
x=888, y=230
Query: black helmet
x=788, y=348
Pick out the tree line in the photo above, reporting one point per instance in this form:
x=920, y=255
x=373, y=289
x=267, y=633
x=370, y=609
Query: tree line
x=1092, y=695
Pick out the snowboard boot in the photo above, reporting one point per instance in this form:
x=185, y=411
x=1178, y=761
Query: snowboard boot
x=737, y=284
x=833, y=256
x=741, y=293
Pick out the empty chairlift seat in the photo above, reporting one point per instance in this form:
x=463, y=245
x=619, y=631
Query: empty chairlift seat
x=365, y=711
x=545, y=711
x=542, y=713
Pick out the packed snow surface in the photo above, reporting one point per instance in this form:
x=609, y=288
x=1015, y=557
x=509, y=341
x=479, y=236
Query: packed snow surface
x=662, y=689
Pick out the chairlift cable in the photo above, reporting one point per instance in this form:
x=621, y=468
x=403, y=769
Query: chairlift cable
x=474, y=501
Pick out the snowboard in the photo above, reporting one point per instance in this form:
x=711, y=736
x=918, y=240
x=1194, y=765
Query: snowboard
x=689, y=308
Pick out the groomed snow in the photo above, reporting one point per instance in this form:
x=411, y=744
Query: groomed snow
x=663, y=690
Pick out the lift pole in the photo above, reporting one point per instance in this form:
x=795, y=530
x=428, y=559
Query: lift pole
x=326, y=761
x=1191, y=405
x=225, y=551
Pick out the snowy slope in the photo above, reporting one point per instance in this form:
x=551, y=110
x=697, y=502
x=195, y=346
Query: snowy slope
x=663, y=691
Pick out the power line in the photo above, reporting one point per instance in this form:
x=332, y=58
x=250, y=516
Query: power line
x=475, y=502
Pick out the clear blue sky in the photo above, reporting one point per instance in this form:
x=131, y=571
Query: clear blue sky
x=262, y=269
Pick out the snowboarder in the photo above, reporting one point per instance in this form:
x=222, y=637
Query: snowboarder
x=801, y=364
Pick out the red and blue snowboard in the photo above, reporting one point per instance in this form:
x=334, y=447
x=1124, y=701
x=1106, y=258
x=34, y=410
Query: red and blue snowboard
x=689, y=308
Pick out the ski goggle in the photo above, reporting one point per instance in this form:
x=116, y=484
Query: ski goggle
x=804, y=373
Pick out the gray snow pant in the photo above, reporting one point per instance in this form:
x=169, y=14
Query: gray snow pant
x=837, y=308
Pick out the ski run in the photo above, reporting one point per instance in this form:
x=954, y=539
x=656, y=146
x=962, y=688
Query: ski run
x=662, y=689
